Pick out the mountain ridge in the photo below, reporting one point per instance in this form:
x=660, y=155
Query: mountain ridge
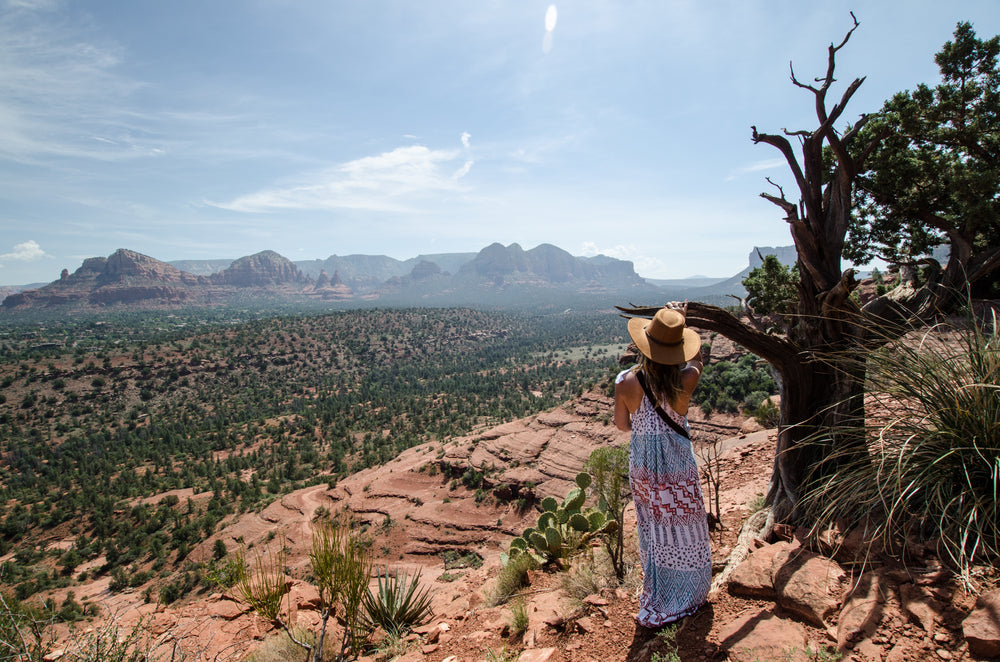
x=496, y=275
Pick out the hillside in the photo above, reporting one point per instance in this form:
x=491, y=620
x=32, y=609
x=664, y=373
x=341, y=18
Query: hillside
x=146, y=529
x=422, y=512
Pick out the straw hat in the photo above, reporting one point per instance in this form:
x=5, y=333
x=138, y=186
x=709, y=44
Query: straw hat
x=665, y=339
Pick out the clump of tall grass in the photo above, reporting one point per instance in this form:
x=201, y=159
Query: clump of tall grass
x=511, y=579
x=933, y=435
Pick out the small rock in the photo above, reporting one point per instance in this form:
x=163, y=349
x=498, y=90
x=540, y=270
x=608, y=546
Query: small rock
x=943, y=654
x=982, y=627
x=761, y=635
x=595, y=600
x=753, y=578
x=586, y=625
x=54, y=654
x=428, y=649
x=869, y=649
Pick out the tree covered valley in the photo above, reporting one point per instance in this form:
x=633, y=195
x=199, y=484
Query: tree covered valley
x=96, y=415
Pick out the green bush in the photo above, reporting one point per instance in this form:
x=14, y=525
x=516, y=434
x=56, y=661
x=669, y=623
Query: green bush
x=768, y=414
x=724, y=385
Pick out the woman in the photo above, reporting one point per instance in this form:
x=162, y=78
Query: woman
x=651, y=400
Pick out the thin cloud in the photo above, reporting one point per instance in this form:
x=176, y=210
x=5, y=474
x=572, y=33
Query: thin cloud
x=64, y=96
x=27, y=251
x=466, y=138
x=768, y=164
x=390, y=181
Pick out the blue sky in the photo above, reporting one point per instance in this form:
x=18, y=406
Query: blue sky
x=194, y=130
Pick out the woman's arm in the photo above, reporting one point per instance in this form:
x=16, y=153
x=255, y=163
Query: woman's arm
x=628, y=395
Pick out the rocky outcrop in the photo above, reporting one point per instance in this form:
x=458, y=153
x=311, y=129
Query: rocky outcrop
x=264, y=269
x=331, y=289
x=547, y=265
x=124, y=277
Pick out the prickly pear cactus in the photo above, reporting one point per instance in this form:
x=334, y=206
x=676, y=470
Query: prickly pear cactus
x=563, y=529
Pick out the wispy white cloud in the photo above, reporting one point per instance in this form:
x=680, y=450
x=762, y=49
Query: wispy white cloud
x=63, y=93
x=390, y=181
x=767, y=164
x=27, y=251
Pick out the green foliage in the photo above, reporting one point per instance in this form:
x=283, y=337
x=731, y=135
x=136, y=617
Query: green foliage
x=24, y=631
x=262, y=585
x=341, y=566
x=768, y=414
x=934, y=176
x=608, y=466
x=518, y=618
x=724, y=385
x=513, y=576
x=668, y=639
x=933, y=464
x=772, y=287
x=399, y=603
x=562, y=529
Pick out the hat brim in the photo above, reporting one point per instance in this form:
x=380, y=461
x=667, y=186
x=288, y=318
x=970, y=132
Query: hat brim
x=682, y=352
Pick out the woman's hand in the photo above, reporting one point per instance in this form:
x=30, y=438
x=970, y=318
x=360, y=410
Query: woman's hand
x=679, y=306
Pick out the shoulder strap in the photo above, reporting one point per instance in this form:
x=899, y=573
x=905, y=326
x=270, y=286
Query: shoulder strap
x=659, y=410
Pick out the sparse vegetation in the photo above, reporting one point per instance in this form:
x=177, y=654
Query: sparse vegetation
x=98, y=414
x=518, y=618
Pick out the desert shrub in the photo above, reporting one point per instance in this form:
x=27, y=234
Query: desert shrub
x=768, y=414
x=583, y=580
x=512, y=578
x=518, y=618
x=753, y=400
x=933, y=464
x=399, y=604
x=454, y=560
x=340, y=568
x=608, y=466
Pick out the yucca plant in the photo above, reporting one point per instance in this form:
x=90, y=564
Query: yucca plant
x=399, y=604
x=933, y=434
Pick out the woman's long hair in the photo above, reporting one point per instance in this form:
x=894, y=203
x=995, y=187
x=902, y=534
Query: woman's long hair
x=663, y=380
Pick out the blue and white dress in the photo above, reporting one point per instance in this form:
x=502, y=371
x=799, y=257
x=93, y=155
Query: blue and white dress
x=674, y=546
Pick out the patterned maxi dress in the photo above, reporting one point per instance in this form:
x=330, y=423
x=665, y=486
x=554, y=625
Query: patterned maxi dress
x=674, y=546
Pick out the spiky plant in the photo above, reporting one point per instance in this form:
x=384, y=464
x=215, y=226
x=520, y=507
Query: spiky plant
x=933, y=434
x=399, y=603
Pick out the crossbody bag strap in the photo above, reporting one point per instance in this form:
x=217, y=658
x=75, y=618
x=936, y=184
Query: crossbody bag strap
x=659, y=410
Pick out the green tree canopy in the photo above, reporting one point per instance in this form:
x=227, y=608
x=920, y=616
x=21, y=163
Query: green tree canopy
x=934, y=177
